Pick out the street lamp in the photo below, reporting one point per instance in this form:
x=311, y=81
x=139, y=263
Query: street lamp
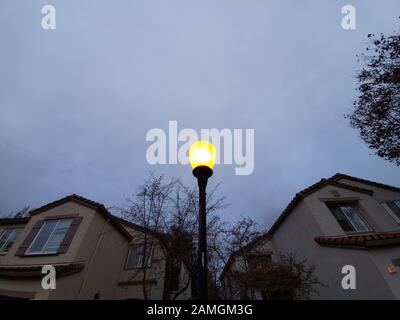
x=202, y=156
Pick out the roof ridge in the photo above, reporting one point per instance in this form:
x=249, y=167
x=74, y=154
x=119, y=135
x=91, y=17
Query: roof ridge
x=338, y=176
x=308, y=190
x=84, y=201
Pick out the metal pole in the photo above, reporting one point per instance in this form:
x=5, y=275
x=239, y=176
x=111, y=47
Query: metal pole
x=202, y=254
x=202, y=174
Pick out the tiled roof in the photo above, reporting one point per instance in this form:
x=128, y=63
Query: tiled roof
x=367, y=240
x=138, y=227
x=35, y=270
x=339, y=176
x=307, y=191
x=72, y=197
x=12, y=221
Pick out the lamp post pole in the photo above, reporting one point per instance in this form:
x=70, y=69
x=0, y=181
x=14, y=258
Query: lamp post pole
x=202, y=173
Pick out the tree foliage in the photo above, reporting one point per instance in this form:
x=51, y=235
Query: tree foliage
x=376, y=113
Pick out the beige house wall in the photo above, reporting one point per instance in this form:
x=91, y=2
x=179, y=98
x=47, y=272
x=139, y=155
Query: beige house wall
x=311, y=217
x=101, y=247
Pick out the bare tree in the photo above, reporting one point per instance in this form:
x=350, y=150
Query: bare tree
x=22, y=213
x=148, y=208
x=256, y=275
x=232, y=241
x=169, y=210
x=283, y=279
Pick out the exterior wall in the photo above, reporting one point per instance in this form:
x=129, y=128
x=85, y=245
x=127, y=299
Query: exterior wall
x=67, y=287
x=383, y=259
x=23, y=288
x=101, y=248
x=312, y=218
x=231, y=286
x=70, y=255
x=155, y=272
x=130, y=282
x=380, y=195
x=2, y=228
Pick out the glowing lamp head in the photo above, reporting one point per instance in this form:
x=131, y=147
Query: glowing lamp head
x=202, y=153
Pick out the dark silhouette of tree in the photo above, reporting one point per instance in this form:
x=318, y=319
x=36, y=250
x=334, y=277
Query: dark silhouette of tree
x=376, y=113
x=169, y=210
x=254, y=273
x=284, y=279
x=22, y=213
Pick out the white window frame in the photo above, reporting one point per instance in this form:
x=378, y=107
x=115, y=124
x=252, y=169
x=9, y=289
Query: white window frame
x=141, y=256
x=13, y=230
x=44, y=246
x=369, y=229
x=359, y=214
x=390, y=212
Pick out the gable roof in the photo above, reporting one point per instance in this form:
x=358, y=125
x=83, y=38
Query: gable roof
x=99, y=207
x=339, y=176
x=309, y=190
x=140, y=228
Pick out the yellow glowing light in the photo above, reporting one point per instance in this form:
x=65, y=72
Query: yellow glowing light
x=202, y=153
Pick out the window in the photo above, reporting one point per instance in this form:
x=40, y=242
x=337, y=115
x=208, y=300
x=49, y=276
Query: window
x=349, y=219
x=50, y=236
x=394, y=209
x=259, y=262
x=138, y=258
x=8, y=238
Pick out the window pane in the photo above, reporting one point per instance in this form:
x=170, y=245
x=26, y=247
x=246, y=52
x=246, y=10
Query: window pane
x=355, y=219
x=147, y=256
x=43, y=236
x=341, y=219
x=137, y=259
x=4, y=237
x=134, y=257
x=395, y=207
x=58, y=236
x=11, y=240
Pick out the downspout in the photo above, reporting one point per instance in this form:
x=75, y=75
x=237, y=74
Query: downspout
x=92, y=259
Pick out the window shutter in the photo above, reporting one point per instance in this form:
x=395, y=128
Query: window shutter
x=28, y=240
x=69, y=235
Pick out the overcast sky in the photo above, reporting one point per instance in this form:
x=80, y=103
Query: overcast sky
x=76, y=102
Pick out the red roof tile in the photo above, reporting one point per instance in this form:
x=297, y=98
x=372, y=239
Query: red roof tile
x=361, y=240
x=35, y=270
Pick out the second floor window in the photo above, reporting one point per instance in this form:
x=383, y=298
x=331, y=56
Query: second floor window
x=259, y=262
x=139, y=256
x=394, y=207
x=50, y=236
x=8, y=238
x=349, y=219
